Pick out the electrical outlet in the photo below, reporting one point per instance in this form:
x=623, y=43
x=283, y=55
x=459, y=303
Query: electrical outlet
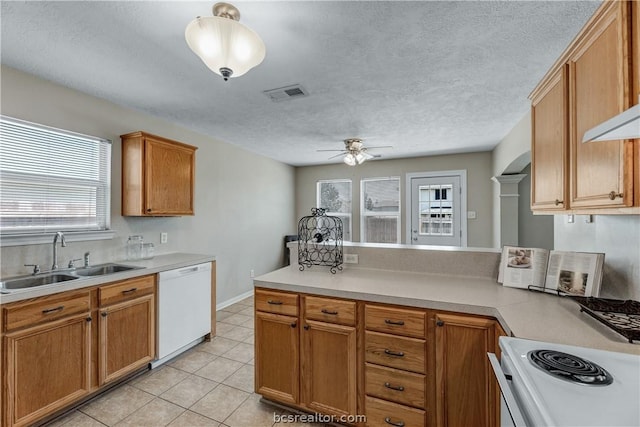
x=252, y=274
x=164, y=237
x=351, y=258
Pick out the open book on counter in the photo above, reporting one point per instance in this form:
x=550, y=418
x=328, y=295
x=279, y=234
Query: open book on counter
x=573, y=273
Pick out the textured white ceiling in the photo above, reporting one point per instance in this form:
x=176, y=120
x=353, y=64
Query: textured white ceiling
x=425, y=77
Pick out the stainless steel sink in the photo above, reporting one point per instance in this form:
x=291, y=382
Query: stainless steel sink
x=34, y=281
x=101, y=270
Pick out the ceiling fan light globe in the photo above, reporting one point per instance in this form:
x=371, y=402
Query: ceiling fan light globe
x=360, y=158
x=350, y=159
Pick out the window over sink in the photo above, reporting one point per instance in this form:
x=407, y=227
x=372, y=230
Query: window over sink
x=51, y=180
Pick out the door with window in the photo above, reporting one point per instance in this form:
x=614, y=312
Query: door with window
x=436, y=210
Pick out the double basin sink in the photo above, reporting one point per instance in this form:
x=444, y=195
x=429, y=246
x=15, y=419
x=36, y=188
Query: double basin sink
x=63, y=276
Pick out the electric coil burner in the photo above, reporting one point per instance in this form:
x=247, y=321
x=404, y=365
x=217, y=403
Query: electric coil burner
x=569, y=367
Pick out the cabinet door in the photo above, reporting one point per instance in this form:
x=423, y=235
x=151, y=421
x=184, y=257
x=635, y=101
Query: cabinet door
x=329, y=367
x=601, y=172
x=276, y=357
x=169, y=177
x=48, y=367
x=549, y=145
x=465, y=387
x=127, y=337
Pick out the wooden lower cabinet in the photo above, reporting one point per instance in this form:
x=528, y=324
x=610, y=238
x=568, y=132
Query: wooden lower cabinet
x=277, y=357
x=127, y=337
x=382, y=413
x=328, y=361
x=465, y=386
x=48, y=368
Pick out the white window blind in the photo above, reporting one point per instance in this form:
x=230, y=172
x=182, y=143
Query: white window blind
x=52, y=179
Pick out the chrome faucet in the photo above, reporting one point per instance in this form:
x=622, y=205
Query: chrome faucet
x=63, y=243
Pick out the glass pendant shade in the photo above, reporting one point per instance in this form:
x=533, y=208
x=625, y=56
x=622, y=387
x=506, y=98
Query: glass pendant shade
x=360, y=158
x=350, y=159
x=227, y=47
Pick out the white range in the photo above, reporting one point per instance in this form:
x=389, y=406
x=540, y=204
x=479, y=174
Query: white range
x=546, y=384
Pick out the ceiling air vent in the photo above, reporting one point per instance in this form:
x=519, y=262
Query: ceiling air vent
x=286, y=93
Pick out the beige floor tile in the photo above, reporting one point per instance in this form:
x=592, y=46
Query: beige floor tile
x=241, y=353
x=250, y=339
x=238, y=333
x=159, y=380
x=247, y=311
x=189, y=391
x=242, y=379
x=192, y=360
x=220, y=402
x=249, y=324
x=76, y=419
x=247, y=301
x=223, y=328
x=237, y=319
x=156, y=413
x=235, y=308
x=219, y=370
x=221, y=315
x=253, y=413
x=191, y=419
x=117, y=404
x=218, y=345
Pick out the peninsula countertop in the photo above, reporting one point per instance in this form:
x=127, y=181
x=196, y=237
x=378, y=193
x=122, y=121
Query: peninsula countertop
x=157, y=264
x=522, y=313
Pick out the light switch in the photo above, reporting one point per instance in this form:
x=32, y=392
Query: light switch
x=471, y=215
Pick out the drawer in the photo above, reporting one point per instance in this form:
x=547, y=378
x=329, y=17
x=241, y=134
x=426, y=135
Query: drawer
x=45, y=309
x=330, y=310
x=276, y=302
x=397, y=386
x=381, y=413
x=128, y=289
x=394, y=351
x=395, y=320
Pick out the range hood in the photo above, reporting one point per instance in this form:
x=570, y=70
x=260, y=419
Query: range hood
x=625, y=125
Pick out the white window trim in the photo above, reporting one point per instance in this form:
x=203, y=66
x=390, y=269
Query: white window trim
x=338, y=214
x=40, y=238
x=462, y=173
x=364, y=214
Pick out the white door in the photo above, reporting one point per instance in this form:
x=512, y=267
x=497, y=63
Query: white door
x=436, y=211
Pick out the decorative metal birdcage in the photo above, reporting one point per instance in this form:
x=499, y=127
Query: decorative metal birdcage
x=320, y=240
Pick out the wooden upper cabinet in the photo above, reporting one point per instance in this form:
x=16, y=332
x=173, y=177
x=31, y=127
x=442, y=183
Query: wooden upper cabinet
x=158, y=176
x=599, y=77
x=549, y=150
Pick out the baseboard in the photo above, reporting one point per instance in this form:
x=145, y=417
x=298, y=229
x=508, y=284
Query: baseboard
x=233, y=300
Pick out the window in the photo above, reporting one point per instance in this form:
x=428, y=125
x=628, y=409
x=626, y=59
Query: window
x=52, y=180
x=335, y=197
x=380, y=207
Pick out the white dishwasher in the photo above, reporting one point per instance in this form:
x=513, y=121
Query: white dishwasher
x=184, y=309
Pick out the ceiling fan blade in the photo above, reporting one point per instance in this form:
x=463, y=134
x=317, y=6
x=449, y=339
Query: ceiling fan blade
x=380, y=146
x=342, y=151
x=337, y=155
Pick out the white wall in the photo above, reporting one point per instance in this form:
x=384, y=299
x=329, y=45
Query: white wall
x=477, y=165
x=244, y=203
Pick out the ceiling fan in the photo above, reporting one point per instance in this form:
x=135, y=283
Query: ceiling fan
x=355, y=152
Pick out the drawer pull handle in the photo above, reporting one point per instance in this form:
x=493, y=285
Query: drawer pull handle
x=559, y=202
x=333, y=313
x=53, y=310
x=272, y=302
x=394, y=387
x=393, y=353
x=129, y=291
x=398, y=424
x=394, y=322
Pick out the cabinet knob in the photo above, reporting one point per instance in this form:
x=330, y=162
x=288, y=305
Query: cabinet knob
x=613, y=195
x=439, y=323
x=559, y=202
x=306, y=327
x=294, y=324
x=88, y=319
x=104, y=314
x=149, y=210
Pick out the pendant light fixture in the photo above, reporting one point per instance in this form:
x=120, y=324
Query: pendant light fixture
x=227, y=47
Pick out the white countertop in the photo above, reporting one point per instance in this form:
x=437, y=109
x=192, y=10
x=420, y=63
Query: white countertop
x=523, y=313
x=149, y=266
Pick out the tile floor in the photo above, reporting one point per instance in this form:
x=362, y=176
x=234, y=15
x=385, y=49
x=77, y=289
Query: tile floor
x=209, y=385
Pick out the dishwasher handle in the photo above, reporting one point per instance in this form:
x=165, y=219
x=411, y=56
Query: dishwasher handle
x=505, y=390
x=185, y=271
